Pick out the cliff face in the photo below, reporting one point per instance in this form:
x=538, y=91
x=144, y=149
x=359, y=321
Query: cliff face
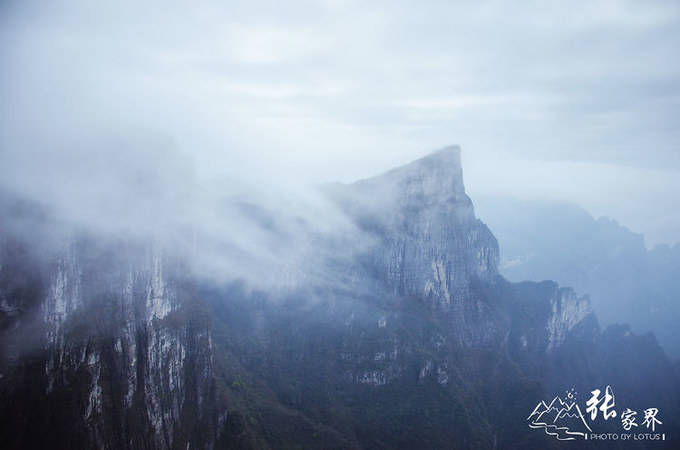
x=425, y=239
x=431, y=243
x=427, y=345
x=99, y=349
x=399, y=334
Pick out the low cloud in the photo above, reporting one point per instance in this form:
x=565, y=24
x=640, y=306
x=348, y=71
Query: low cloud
x=309, y=92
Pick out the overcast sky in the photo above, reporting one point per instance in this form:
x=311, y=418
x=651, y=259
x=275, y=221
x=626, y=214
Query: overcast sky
x=569, y=100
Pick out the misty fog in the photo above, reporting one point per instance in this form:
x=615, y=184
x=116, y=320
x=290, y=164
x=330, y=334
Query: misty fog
x=338, y=224
x=562, y=101
x=219, y=130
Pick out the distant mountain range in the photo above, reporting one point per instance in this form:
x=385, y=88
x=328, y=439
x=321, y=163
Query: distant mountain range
x=598, y=257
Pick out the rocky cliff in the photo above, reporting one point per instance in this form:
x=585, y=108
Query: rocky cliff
x=432, y=243
x=425, y=239
x=397, y=332
x=562, y=242
x=426, y=345
x=99, y=349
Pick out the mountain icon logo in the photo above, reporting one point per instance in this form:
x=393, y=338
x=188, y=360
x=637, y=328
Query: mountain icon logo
x=561, y=418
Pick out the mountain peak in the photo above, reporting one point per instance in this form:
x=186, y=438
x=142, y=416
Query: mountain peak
x=433, y=246
x=437, y=177
x=444, y=160
x=449, y=155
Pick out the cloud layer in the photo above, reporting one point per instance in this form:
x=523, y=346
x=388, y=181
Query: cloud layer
x=309, y=91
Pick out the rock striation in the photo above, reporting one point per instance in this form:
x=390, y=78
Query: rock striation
x=99, y=348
